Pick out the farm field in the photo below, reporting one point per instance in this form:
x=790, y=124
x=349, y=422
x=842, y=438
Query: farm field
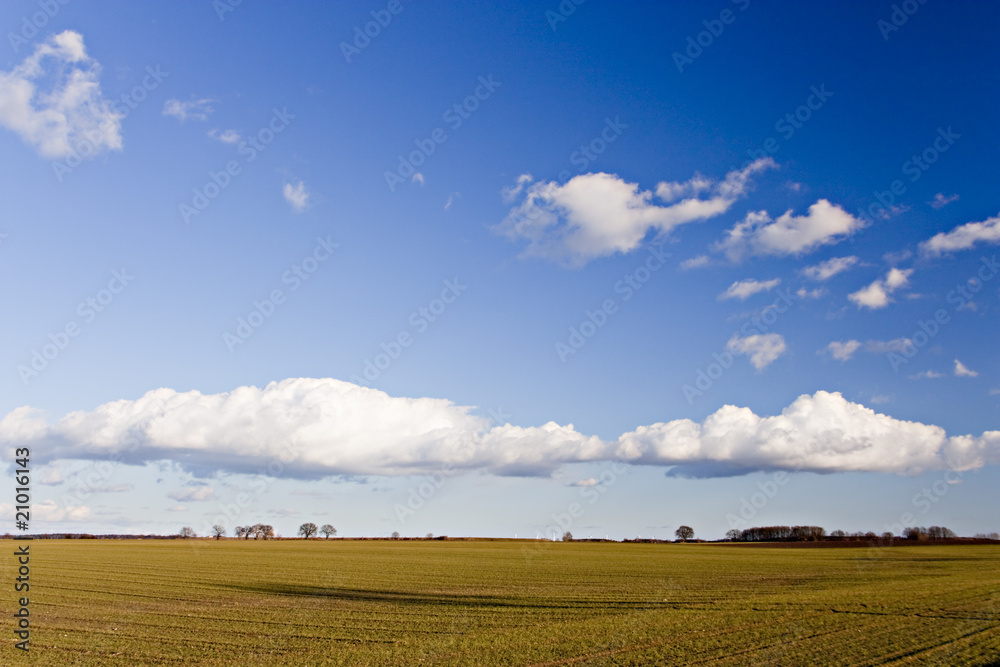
x=344, y=602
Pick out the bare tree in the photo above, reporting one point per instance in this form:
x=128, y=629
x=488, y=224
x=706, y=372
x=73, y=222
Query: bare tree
x=307, y=530
x=218, y=530
x=567, y=536
x=188, y=532
x=267, y=531
x=328, y=530
x=395, y=534
x=733, y=535
x=684, y=533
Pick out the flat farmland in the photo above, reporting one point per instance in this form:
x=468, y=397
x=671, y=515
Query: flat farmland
x=346, y=602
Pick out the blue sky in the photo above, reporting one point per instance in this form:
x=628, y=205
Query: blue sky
x=489, y=261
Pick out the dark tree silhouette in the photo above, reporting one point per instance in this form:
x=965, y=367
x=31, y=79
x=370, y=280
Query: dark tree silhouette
x=567, y=536
x=328, y=530
x=307, y=530
x=187, y=532
x=218, y=531
x=684, y=533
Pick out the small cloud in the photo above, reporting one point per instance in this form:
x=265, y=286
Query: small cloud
x=118, y=488
x=743, y=289
x=876, y=295
x=962, y=371
x=803, y=293
x=177, y=508
x=829, y=268
x=296, y=195
x=761, y=349
x=963, y=237
x=511, y=192
x=886, y=346
x=226, y=136
x=194, y=109
x=418, y=178
x=994, y=392
x=893, y=258
x=843, y=350
x=880, y=399
x=926, y=375
x=51, y=476
x=451, y=199
x=585, y=482
x=793, y=186
x=196, y=493
x=940, y=200
x=695, y=262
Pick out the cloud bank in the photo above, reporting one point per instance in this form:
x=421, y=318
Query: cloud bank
x=311, y=428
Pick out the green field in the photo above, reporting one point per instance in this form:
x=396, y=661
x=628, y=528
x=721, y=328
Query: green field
x=505, y=603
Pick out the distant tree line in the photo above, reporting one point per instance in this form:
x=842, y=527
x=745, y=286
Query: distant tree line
x=816, y=534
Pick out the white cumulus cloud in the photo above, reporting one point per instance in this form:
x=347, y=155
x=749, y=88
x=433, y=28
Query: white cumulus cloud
x=963, y=237
x=843, y=350
x=595, y=215
x=53, y=101
x=310, y=428
x=757, y=234
x=876, y=295
x=761, y=349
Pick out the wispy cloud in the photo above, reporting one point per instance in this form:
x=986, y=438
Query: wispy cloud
x=743, y=289
x=940, y=200
x=192, y=109
x=296, y=195
x=53, y=101
x=598, y=214
x=830, y=268
x=226, y=136
x=962, y=371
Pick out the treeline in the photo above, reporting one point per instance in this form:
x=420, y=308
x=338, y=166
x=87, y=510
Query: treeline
x=816, y=534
